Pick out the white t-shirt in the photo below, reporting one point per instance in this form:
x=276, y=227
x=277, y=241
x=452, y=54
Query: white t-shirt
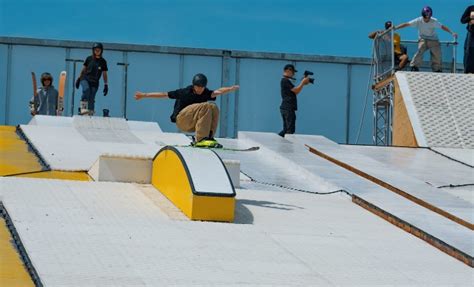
x=426, y=30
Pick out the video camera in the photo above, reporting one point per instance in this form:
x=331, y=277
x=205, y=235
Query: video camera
x=307, y=74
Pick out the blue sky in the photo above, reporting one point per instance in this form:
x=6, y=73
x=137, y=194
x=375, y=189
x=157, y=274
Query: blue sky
x=337, y=27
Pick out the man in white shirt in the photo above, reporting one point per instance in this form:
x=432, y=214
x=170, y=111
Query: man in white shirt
x=427, y=39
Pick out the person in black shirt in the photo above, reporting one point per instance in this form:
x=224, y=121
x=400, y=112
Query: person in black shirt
x=468, y=18
x=94, y=66
x=289, y=103
x=192, y=112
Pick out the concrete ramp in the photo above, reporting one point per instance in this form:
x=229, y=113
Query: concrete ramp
x=196, y=181
x=433, y=110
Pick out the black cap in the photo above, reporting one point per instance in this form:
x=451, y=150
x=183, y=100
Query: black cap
x=290, y=66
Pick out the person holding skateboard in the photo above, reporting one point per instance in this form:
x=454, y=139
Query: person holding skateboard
x=428, y=39
x=94, y=66
x=468, y=18
x=45, y=99
x=192, y=111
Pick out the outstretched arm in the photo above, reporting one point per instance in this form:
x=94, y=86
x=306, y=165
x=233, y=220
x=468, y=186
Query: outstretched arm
x=224, y=90
x=156, y=95
x=445, y=28
x=372, y=35
x=401, y=26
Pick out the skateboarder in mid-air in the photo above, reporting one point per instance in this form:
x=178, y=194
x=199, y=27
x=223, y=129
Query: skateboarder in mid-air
x=45, y=99
x=94, y=66
x=192, y=111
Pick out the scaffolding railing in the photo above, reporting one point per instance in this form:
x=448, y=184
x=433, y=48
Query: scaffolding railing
x=384, y=70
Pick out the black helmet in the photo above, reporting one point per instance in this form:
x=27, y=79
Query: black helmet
x=427, y=12
x=98, y=45
x=200, y=80
x=388, y=25
x=46, y=76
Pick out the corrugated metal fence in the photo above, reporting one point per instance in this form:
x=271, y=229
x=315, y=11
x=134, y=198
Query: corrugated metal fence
x=331, y=107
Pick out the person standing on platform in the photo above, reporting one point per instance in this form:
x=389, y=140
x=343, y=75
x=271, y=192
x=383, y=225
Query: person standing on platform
x=427, y=39
x=94, y=66
x=289, y=103
x=468, y=18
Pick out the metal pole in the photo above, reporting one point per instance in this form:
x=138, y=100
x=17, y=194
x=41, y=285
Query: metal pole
x=236, y=98
x=124, y=104
x=348, y=101
x=454, y=55
x=74, y=61
x=225, y=81
x=8, y=84
x=181, y=71
x=392, y=48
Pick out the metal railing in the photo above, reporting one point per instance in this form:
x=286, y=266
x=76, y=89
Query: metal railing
x=384, y=54
x=385, y=67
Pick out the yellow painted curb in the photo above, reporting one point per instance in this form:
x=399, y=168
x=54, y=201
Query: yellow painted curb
x=15, y=155
x=65, y=175
x=171, y=176
x=12, y=269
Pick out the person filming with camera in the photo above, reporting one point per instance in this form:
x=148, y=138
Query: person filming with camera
x=289, y=104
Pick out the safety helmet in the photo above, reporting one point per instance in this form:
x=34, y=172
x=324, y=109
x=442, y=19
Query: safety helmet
x=97, y=45
x=46, y=76
x=388, y=25
x=200, y=80
x=427, y=12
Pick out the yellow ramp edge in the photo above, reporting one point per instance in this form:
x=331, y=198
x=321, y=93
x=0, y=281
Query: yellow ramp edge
x=12, y=270
x=183, y=176
x=64, y=175
x=15, y=155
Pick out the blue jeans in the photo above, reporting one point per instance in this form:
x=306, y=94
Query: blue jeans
x=88, y=94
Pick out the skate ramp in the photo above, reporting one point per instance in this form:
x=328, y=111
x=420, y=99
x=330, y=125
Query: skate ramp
x=437, y=230
x=74, y=145
x=196, y=181
x=433, y=110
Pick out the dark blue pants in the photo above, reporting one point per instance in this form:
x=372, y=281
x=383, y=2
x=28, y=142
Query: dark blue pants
x=88, y=94
x=469, y=53
x=289, y=122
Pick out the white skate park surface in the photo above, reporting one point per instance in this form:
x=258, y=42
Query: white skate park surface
x=96, y=234
x=295, y=223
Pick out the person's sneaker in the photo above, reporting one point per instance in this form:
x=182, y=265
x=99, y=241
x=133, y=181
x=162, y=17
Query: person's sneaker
x=207, y=143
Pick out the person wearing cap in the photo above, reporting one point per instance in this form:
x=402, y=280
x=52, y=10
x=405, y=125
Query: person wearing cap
x=289, y=103
x=45, y=102
x=400, y=54
x=192, y=112
x=468, y=18
x=427, y=39
x=94, y=66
